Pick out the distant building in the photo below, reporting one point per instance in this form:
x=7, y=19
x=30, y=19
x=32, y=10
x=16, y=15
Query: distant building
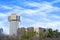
x=30, y=29
x=14, y=20
x=20, y=31
x=42, y=30
x=3, y=36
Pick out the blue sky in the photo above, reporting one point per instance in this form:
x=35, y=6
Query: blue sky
x=35, y=13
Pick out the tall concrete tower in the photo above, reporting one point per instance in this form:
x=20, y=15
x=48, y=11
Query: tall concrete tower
x=14, y=20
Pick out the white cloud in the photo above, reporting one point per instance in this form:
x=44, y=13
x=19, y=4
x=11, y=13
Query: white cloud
x=56, y=17
x=5, y=28
x=53, y=25
x=5, y=7
x=2, y=15
x=3, y=22
x=43, y=9
x=55, y=1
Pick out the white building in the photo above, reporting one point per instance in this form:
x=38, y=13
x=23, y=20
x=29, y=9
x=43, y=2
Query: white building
x=14, y=20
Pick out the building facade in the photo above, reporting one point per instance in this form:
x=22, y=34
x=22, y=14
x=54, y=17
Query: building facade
x=14, y=20
x=21, y=31
x=30, y=29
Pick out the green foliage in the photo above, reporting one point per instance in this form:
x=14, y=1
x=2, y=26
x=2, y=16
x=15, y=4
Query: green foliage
x=42, y=35
x=50, y=32
x=56, y=33
x=28, y=35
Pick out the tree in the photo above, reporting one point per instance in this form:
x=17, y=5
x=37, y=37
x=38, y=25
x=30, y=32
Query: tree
x=28, y=35
x=56, y=33
x=42, y=35
x=50, y=33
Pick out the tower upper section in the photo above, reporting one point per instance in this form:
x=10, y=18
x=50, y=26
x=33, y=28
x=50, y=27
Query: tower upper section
x=14, y=17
